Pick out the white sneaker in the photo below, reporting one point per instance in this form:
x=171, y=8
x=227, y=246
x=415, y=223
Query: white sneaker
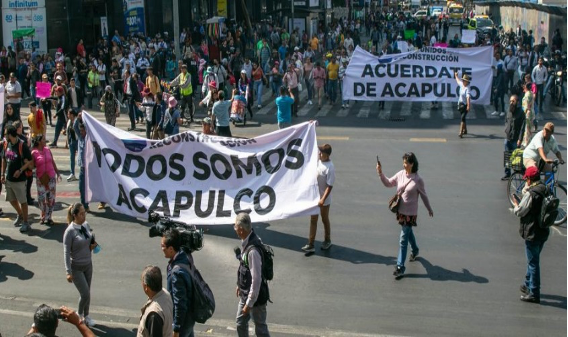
x=89, y=322
x=342, y=106
x=71, y=178
x=310, y=102
x=347, y=105
x=259, y=106
x=495, y=113
x=502, y=114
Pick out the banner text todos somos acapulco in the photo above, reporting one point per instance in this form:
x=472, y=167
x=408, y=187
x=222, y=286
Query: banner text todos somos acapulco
x=202, y=179
x=424, y=75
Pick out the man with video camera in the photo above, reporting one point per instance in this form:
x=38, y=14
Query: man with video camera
x=46, y=320
x=179, y=282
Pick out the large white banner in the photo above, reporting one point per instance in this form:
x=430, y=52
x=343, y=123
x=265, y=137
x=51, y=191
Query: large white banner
x=18, y=14
x=421, y=76
x=202, y=179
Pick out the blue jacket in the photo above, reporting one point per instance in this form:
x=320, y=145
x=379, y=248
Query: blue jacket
x=180, y=287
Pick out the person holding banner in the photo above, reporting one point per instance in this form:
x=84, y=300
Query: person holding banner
x=464, y=100
x=326, y=179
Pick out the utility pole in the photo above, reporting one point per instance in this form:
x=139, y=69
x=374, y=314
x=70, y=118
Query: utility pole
x=291, y=29
x=176, y=28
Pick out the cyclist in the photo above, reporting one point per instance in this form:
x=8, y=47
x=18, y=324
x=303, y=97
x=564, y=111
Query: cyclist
x=539, y=147
x=183, y=80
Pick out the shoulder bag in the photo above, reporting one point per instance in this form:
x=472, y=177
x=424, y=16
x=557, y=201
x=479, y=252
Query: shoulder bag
x=394, y=201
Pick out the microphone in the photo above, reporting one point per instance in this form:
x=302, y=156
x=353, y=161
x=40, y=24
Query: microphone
x=237, y=251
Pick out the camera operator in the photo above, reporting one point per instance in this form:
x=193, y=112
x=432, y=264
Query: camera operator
x=179, y=283
x=46, y=321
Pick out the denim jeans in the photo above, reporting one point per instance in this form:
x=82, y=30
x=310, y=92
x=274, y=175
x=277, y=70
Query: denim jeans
x=332, y=90
x=509, y=146
x=73, y=152
x=82, y=186
x=59, y=125
x=33, y=93
x=132, y=113
x=310, y=88
x=258, y=314
x=406, y=237
x=258, y=91
x=532, y=278
x=276, y=87
x=341, y=93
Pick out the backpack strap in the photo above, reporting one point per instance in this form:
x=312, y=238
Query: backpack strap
x=247, y=251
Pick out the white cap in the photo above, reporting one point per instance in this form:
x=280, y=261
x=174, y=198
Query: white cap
x=59, y=78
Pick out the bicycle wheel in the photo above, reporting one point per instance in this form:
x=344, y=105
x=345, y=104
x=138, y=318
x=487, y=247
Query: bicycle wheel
x=515, y=186
x=560, y=192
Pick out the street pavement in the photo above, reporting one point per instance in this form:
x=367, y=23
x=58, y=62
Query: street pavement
x=465, y=281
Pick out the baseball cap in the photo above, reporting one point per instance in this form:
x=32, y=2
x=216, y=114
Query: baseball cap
x=531, y=173
x=59, y=78
x=325, y=148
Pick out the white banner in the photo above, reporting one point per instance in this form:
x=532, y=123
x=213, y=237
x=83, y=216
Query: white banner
x=420, y=76
x=18, y=14
x=202, y=179
x=468, y=36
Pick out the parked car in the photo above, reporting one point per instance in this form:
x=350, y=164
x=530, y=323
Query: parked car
x=419, y=15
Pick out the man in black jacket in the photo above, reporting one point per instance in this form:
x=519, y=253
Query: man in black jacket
x=528, y=209
x=513, y=125
x=252, y=288
x=179, y=283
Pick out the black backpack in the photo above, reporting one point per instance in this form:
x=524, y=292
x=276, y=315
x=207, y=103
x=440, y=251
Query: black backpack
x=267, y=255
x=203, y=305
x=548, y=210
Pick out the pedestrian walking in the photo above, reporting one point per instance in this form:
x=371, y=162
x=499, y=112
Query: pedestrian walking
x=72, y=142
x=513, y=126
x=17, y=159
x=36, y=120
x=409, y=185
x=78, y=243
x=179, y=283
x=252, y=289
x=528, y=209
x=326, y=179
x=60, y=114
x=157, y=318
x=47, y=177
x=220, y=115
x=110, y=106
x=528, y=110
x=291, y=80
x=284, y=104
x=81, y=133
x=464, y=100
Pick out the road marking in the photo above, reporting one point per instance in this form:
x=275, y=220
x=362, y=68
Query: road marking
x=406, y=109
x=558, y=231
x=219, y=327
x=429, y=140
x=332, y=138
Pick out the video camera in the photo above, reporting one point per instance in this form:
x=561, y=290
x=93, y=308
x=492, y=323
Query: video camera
x=191, y=237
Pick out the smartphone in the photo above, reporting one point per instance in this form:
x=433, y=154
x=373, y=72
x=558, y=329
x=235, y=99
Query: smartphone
x=378, y=162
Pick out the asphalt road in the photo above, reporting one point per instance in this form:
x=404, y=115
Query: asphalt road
x=464, y=283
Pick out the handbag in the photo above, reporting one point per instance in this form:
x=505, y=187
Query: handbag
x=394, y=201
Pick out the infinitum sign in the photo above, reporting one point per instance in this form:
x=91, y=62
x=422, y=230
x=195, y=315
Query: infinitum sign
x=18, y=14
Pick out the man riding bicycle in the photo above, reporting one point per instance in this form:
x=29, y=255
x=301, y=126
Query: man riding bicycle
x=539, y=147
x=183, y=80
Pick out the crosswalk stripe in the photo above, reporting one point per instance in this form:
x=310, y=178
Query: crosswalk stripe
x=364, y=110
x=406, y=109
x=448, y=110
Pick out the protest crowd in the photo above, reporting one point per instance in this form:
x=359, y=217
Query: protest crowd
x=222, y=78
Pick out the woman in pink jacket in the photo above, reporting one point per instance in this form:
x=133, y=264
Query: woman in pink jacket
x=409, y=186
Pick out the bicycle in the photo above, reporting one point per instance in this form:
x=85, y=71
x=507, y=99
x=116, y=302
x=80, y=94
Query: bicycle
x=517, y=183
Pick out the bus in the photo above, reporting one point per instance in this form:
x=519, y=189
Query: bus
x=455, y=12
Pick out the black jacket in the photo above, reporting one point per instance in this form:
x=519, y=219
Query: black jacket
x=530, y=230
x=513, y=124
